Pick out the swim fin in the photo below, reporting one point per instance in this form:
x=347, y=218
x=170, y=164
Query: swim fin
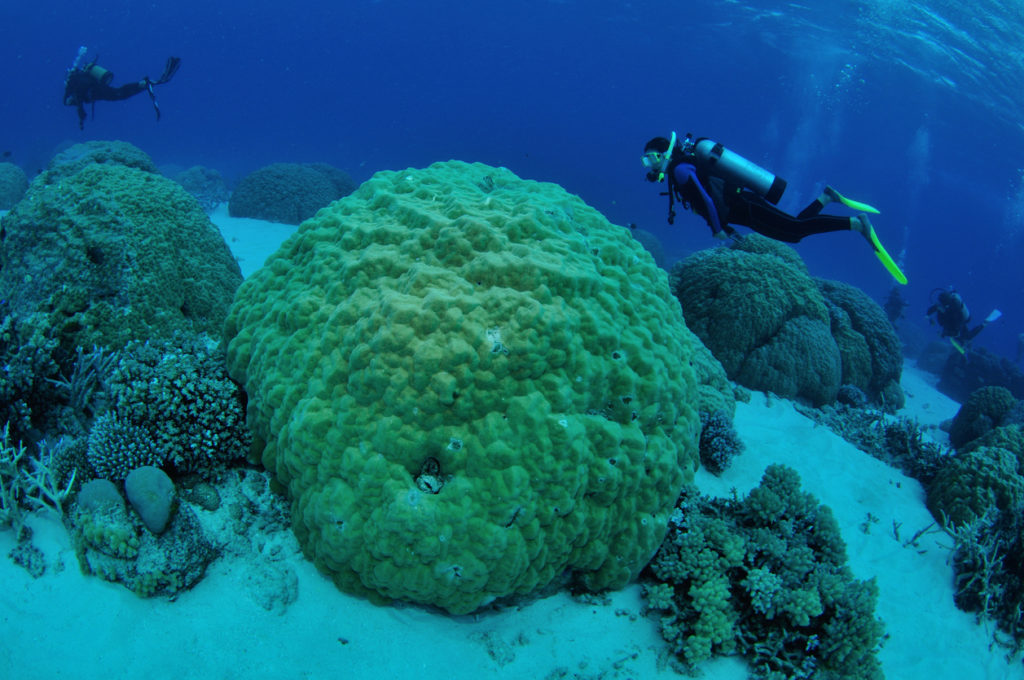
x=993, y=315
x=850, y=203
x=170, y=68
x=881, y=253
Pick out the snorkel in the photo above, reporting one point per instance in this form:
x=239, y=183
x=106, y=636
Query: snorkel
x=656, y=170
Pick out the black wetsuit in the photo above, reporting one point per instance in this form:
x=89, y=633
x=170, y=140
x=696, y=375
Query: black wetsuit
x=89, y=85
x=82, y=87
x=953, y=316
x=722, y=204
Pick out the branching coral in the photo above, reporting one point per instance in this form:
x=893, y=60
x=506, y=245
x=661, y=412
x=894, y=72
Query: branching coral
x=765, y=576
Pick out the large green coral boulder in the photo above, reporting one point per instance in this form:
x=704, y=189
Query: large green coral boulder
x=111, y=252
x=470, y=384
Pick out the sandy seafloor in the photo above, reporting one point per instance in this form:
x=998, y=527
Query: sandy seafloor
x=66, y=625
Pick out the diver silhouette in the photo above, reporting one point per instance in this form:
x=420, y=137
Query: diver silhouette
x=90, y=83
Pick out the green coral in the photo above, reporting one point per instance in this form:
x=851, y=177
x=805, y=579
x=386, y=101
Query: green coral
x=469, y=384
x=984, y=410
x=762, y=316
x=111, y=543
x=971, y=484
x=171, y=403
x=111, y=253
x=871, y=353
x=764, y=576
x=777, y=329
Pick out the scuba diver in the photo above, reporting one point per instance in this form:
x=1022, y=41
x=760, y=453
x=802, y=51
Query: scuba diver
x=91, y=83
x=953, y=317
x=894, y=305
x=724, y=188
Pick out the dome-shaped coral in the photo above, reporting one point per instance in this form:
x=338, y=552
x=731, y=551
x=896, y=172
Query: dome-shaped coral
x=469, y=384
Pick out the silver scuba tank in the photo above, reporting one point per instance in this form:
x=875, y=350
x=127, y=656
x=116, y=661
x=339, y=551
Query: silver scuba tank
x=732, y=167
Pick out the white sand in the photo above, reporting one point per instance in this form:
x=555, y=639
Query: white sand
x=66, y=625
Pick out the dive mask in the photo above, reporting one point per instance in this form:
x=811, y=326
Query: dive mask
x=656, y=162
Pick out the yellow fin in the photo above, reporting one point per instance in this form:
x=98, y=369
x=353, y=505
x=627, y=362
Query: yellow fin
x=885, y=259
x=856, y=205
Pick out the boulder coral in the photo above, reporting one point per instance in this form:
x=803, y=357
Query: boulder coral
x=777, y=329
x=13, y=185
x=288, y=192
x=470, y=385
x=112, y=252
x=760, y=313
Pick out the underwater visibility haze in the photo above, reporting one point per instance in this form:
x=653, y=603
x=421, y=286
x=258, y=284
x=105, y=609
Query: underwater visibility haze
x=914, y=107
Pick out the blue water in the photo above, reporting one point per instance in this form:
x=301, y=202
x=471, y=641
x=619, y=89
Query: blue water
x=911, y=106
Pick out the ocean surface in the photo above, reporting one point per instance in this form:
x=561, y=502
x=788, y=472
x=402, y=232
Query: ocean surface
x=913, y=107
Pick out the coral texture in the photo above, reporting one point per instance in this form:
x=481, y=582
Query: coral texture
x=469, y=384
x=985, y=410
x=13, y=185
x=111, y=253
x=288, y=192
x=171, y=404
x=775, y=328
x=766, y=577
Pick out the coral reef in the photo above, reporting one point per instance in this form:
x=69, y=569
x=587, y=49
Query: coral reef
x=964, y=373
x=288, y=192
x=78, y=156
x=986, y=408
x=765, y=577
x=970, y=484
x=112, y=252
x=871, y=356
x=171, y=403
x=206, y=185
x=776, y=329
x=114, y=544
x=988, y=558
x=13, y=185
x=719, y=441
x=470, y=384
x=895, y=440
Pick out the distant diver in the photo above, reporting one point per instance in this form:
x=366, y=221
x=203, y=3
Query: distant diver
x=894, y=305
x=724, y=188
x=90, y=83
x=953, y=317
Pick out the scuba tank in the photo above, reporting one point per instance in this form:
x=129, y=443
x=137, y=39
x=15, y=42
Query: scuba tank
x=100, y=74
x=718, y=161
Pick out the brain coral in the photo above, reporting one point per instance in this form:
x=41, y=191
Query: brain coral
x=113, y=252
x=470, y=384
x=760, y=313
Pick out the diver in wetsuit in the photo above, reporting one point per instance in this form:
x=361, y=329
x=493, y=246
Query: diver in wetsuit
x=953, y=317
x=725, y=189
x=91, y=83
